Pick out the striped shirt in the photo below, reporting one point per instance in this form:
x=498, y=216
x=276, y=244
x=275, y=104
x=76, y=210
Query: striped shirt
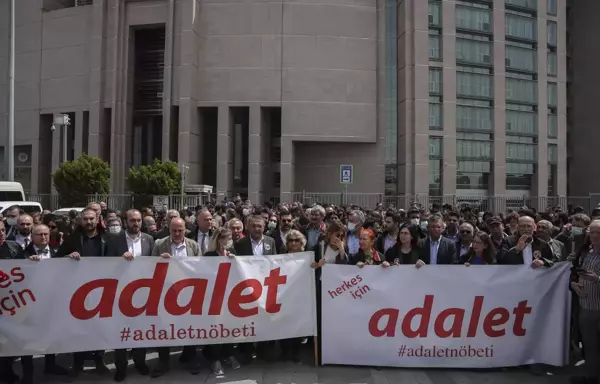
x=591, y=300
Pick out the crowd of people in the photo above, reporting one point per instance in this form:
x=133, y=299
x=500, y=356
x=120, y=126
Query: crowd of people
x=386, y=237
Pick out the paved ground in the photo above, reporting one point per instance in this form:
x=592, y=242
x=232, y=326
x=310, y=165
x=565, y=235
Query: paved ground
x=305, y=373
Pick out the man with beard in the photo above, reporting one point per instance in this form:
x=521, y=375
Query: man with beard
x=451, y=231
x=388, y=238
x=23, y=233
x=130, y=244
x=497, y=234
x=88, y=240
x=278, y=234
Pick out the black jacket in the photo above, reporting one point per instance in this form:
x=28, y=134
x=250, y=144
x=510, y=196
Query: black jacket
x=394, y=254
x=380, y=242
x=446, y=254
x=511, y=256
x=275, y=234
x=30, y=251
x=243, y=247
x=74, y=243
x=10, y=250
x=117, y=244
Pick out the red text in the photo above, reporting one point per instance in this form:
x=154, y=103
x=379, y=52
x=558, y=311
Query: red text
x=156, y=285
x=385, y=321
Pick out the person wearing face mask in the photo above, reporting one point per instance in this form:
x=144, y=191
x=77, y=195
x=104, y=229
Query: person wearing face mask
x=221, y=244
x=23, y=233
x=8, y=249
x=544, y=232
x=279, y=233
x=356, y=220
x=10, y=222
x=113, y=225
x=271, y=223
x=573, y=234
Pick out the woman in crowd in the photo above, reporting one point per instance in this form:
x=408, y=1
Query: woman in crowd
x=482, y=251
x=405, y=250
x=221, y=244
x=290, y=348
x=367, y=254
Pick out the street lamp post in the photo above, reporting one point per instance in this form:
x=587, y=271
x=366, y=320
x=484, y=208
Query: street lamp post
x=10, y=142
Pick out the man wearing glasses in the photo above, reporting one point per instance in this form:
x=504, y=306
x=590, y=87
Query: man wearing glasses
x=466, y=233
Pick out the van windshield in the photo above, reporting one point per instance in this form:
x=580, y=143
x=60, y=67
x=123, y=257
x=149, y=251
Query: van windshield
x=11, y=196
x=24, y=208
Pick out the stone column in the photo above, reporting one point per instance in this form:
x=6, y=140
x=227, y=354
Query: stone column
x=224, y=154
x=97, y=78
x=78, y=127
x=287, y=170
x=255, y=156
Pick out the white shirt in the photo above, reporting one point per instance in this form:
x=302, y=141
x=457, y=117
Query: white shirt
x=527, y=255
x=179, y=251
x=21, y=240
x=203, y=245
x=257, y=247
x=42, y=255
x=134, y=245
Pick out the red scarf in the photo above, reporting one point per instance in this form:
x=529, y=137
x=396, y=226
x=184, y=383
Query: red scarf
x=376, y=255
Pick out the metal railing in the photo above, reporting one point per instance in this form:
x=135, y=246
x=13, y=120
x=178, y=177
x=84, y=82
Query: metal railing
x=494, y=204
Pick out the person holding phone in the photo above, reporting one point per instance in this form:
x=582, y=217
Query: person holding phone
x=524, y=247
x=585, y=283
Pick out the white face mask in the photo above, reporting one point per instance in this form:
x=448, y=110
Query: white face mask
x=414, y=221
x=272, y=225
x=115, y=229
x=11, y=221
x=424, y=224
x=577, y=230
x=351, y=226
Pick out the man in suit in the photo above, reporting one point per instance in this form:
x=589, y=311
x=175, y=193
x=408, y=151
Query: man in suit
x=176, y=246
x=22, y=234
x=88, y=240
x=10, y=219
x=544, y=232
x=257, y=244
x=130, y=244
x=523, y=247
x=8, y=249
x=203, y=230
x=278, y=234
x=39, y=250
x=436, y=249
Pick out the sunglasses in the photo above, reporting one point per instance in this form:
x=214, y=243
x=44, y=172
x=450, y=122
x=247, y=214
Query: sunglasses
x=293, y=240
x=52, y=226
x=465, y=232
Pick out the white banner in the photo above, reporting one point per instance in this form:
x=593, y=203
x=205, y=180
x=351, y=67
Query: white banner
x=62, y=305
x=445, y=316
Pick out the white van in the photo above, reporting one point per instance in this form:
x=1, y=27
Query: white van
x=25, y=206
x=11, y=191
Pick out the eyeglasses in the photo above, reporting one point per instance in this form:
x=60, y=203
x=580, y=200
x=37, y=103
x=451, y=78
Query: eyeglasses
x=52, y=226
x=465, y=232
x=293, y=240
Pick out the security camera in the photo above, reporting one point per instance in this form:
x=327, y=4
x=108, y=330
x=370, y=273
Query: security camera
x=53, y=128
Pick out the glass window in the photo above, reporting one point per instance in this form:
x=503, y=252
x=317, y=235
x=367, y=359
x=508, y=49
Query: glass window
x=474, y=117
x=552, y=154
x=521, y=90
x=474, y=85
x=552, y=33
x=530, y=4
x=435, y=147
x=519, y=176
x=475, y=19
x=522, y=59
x=552, y=126
x=520, y=27
x=434, y=14
x=473, y=174
x=435, y=47
x=551, y=64
x=551, y=7
x=435, y=81
x=470, y=147
x=435, y=116
x=471, y=51
x=552, y=94
x=521, y=120
x=520, y=151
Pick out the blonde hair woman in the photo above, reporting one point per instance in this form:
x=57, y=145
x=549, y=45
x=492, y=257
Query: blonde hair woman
x=221, y=243
x=295, y=241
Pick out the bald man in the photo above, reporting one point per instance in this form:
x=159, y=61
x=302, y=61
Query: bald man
x=524, y=247
x=39, y=249
x=23, y=234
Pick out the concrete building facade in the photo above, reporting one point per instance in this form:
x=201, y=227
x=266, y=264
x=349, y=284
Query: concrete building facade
x=266, y=98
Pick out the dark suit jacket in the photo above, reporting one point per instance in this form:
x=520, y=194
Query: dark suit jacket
x=193, y=235
x=511, y=256
x=117, y=244
x=74, y=243
x=393, y=254
x=243, y=247
x=446, y=251
x=275, y=234
x=30, y=251
x=10, y=250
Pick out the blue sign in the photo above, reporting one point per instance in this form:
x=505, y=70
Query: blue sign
x=346, y=174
